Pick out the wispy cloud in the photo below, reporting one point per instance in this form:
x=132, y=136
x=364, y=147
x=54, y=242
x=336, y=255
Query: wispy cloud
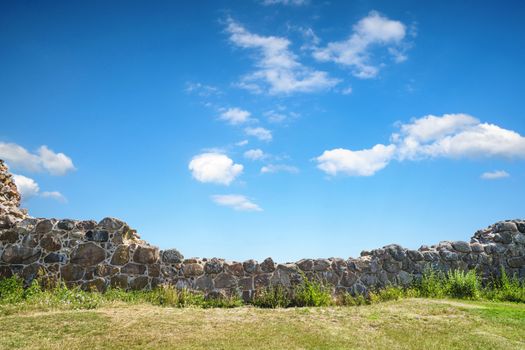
x=279, y=168
x=255, y=154
x=356, y=51
x=236, y=201
x=278, y=70
x=280, y=116
x=286, y=2
x=202, y=90
x=347, y=91
x=235, y=116
x=494, y=175
x=260, y=133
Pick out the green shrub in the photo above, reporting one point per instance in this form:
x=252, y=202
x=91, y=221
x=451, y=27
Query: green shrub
x=11, y=290
x=504, y=288
x=272, y=297
x=463, y=285
x=311, y=293
x=431, y=284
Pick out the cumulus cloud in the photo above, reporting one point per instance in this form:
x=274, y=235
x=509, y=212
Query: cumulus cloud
x=26, y=186
x=260, y=133
x=254, y=154
x=29, y=188
x=278, y=70
x=278, y=168
x=494, y=175
x=235, y=116
x=356, y=51
x=355, y=163
x=43, y=160
x=214, y=168
x=236, y=201
x=456, y=136
x=447, y=136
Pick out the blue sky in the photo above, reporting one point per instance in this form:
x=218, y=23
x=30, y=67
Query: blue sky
x=247, y=129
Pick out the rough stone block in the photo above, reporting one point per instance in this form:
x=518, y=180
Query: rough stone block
x=267, y=265
x=18, y=254
x=172, y=256
x=193, y=269
x=146, y=255
x=121, y=255
x=133, y=269
x=88, y=254
x=97, y=235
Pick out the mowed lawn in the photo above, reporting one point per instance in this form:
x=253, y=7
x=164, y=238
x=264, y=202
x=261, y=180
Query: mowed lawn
x=404, y=324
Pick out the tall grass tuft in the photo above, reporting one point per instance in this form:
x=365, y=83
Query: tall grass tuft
x=431, y=284
x=312, y=293
x=272, y=297
x=463, y=285
x=505, y=288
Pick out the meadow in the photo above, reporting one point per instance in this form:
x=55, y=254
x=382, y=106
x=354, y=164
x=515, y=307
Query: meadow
x=452, y=311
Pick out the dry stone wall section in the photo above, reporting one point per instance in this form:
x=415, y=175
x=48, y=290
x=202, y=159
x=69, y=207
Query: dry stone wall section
x=97, y=255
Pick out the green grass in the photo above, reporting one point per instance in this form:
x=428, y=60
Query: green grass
x=307, y=293
x=416, y=323
x=423, y=315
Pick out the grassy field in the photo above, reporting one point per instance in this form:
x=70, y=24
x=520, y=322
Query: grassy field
x=404, y=324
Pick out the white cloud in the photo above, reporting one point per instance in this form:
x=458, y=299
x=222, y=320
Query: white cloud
x=286, y=2
x=280, y=115
x=493, y=175
x=277, y=168
x=310, y=38
x=347, y=91
x=355, y=52
x=54, y=195
x=448, y=136
x=235, y=116
x=275, y=117
x=456, y=136
x=278, y=70
x=28, y=188
x=254, y=154
x=355, y=163
x=55, y=163
x=215, y=168
x=242, y=143
x=236, y=201
x=260, y=133
x=202, y=90
x=44, y=159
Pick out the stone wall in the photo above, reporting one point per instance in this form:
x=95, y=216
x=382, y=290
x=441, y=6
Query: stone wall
x=110, y=253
